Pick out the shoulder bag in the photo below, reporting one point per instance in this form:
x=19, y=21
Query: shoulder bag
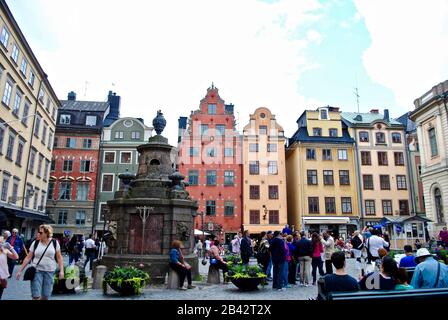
x=31, y=271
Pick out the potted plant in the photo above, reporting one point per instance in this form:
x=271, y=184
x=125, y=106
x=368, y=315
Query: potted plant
x=75, y=277
x=127, y=281
x=245, y=278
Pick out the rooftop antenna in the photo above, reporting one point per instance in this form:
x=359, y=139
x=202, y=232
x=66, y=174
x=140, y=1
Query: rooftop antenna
x=356, y=92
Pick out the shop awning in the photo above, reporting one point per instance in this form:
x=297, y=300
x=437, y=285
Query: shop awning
x=403, y=219
x=32, y=216
x=326, y=220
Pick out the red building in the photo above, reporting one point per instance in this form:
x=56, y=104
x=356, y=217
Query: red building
x=210, y=158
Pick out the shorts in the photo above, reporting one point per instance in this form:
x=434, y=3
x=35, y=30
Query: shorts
x=42, y=285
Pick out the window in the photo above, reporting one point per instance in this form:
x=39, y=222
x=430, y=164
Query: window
x=44, y=133
x=254, y=192
x=253, y=147
x=272, y=147
x=272, y=167
x=211, y=178
x=26, y=111
x=4, y=38
x=91, y=121
x=367, y=180
x=62, y=217
x=85, y=166
x=438, y=202
x=263, y=130
x=380, y=137
x=39, y=165
x=194, y=152
x=330, y=205
x=384, y=182
x=29, y=189
x=5, y=187
x=17, y=101
x=47, y=164
x=346, y=205
x=366, y=159
x=2, y=138
x=323, y=114
x=7, y=93
x=32, y=161
x=326, y=154
x=70, y=143
x=401, y=182
x=328, y=177
x=312, y=177
x=24, y=66
x=68, y=166
x=229, y=178
x=15, y=53
x=65, y=191
x=210, y=207
x=229, y=208
x=211, y=108
x=109, y=157
x=370, y=207
x=254, y=167
x=313, y=205
x=82, y=191
x=342, y=154
x=50, y=194
x=41, y=95
x=19, y=153
x=273, y=192
x=382, y=158
x=80, y=217
x=204, y=129
x=15, y=190
x=108, y=181
x=317, y=132
x=228, y=152
x=333, y=132
x=32, y=78
x=310, y=154
x=363, y=136
x=433, y=142
x=396, y=137
x=274, y=217
x=254, y=216
x=344, y=177
x=387, y=207
x=125, y=157
x=87, y=143
x=135, y=135
x=211, y=152
x=404, y=207
x=193, y=177
x=65, y=119
x=10, y=149
x=220, y=129
x=399, y=158
x=119, y=135
x=37, y=125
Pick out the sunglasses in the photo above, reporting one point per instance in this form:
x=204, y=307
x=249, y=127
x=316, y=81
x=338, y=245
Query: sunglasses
x=40, y=232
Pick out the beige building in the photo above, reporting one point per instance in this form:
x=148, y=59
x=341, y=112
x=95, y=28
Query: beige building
x=27, y=125
x=431, y=119
x=321, y=174
x=264, y=174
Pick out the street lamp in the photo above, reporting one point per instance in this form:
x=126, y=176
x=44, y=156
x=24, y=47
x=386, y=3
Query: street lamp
x=144, y=214
x=204, y=262
x=265, y=212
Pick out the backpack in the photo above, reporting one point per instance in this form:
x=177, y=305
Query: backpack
x=262, y=253
x=36, y=244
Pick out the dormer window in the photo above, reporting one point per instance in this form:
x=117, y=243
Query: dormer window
x=396, y=137
x=65, y=119
x=333, y=132
x=317, y=132
x=263, y=130
x=323, y=114
x=212, y=108
x=91, y=121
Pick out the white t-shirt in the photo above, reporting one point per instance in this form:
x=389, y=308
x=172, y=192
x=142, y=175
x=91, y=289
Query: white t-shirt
x=4, y=273
x=48, y=263
x=207, y=244
x=374, y=243
x=90, y=244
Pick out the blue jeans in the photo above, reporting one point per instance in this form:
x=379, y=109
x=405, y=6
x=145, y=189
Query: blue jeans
x=268, y=272
x=90, y=256
x=42, y=285
x=278, y=271
x=72, y=257
x=285, y=273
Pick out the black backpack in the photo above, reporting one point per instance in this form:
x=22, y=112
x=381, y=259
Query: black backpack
x=36, y=244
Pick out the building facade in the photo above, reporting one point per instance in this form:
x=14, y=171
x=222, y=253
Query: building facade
x=264, y=174
x=210, y=156
x=382, y=160
x=76, y=164
x=27, y=127
x=431, y=118
x=321, y=174
x=118, y=154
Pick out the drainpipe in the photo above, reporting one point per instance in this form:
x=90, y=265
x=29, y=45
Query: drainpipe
x=96, y=204
x=358, y=174
x=411, y=176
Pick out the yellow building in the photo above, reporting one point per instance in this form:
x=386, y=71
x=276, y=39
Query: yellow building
x=27, y=125
x=264, y=174
x=321, y=174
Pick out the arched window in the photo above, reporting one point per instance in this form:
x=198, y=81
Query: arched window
x=154, y=162
x=439, y=207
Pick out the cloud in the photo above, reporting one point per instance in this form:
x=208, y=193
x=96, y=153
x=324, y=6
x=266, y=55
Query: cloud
x=165, y=54
x=409, y=47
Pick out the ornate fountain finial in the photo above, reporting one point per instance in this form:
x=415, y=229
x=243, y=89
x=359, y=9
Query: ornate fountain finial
x=159, y=122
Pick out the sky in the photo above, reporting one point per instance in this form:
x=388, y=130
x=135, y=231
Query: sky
x=287, y=55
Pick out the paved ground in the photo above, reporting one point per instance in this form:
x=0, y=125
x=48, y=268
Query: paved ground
x=20, y=290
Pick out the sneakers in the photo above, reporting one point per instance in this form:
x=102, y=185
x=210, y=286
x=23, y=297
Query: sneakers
x=190, y=286
x=182, y=288
x=288, y=286
x=306, y=284
x=282, y=289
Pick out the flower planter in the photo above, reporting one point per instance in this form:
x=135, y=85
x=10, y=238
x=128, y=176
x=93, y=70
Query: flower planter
x=126, y=288
x=246, y=284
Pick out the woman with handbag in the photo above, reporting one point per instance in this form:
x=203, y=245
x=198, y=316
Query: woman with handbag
x=6, y=251
x=179, y=265
x=43, y=254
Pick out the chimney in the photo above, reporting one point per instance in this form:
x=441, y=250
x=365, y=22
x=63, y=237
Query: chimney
x=182, y=128
x=114, y=111
x=374, y=111
x=71, y=96
x=386, y=114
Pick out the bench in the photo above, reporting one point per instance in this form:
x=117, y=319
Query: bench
x=213, y=275
x=173, y=279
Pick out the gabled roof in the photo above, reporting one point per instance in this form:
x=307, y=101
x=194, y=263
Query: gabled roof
x=84, y=105
x=402, y=219
x=355, y=118
x=301, y=135
x=408, y=123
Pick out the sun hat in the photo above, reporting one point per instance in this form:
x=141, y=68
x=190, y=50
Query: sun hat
x=422, y=252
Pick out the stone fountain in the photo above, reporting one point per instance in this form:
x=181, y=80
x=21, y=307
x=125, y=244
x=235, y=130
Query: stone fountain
x=151, y=211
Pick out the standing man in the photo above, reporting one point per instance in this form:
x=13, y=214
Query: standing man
x=304, y=252
x=246, y=247
x=270, y=238
x=236, y=243
x=328, y=243
x=278, y=254
x=374, y=243
x=90, y=251
x=286, y=230
x=17, y=243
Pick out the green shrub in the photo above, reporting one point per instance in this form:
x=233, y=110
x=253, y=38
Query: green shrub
x=136, y=277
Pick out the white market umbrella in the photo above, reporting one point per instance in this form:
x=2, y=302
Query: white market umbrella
x=199, y=233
